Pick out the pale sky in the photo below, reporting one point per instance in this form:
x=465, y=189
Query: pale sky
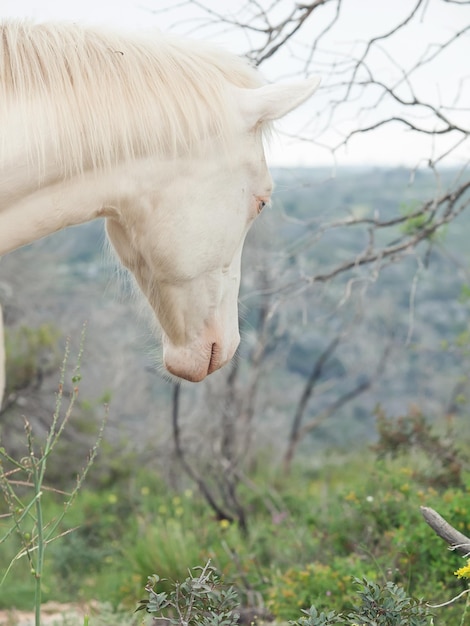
x=360, y=19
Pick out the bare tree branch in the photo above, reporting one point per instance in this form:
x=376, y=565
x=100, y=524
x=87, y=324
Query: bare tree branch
x=299, y=431
x=457, y=541
x=295, y=23
x=449, y=207
x=316, y=372
x=374, y=40
x=188, y=468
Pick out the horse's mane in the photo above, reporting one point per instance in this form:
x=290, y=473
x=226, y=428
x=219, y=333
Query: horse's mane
x=95, y=97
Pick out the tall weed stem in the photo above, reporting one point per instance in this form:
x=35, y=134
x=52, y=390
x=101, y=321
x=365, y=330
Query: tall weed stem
x=30, y=515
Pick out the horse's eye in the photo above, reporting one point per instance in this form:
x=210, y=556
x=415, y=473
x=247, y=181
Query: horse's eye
x=261, y=205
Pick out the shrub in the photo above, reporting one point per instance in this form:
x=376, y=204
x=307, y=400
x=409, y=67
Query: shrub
x=201, y=600
x=322, y=585
x=386, y=605
x=204, y=601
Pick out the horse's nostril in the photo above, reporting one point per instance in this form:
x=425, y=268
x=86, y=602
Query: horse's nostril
x=213, y=360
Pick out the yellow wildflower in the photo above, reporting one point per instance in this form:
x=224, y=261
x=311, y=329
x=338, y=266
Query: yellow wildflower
x=464, y=572
x=351, y=497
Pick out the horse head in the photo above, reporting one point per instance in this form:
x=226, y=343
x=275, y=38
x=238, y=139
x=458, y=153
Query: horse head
x=184, y=236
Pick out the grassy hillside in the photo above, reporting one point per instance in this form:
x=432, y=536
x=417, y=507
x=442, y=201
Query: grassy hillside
x=309, y=532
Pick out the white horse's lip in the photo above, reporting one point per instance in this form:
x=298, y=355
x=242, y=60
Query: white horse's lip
x=192, y=375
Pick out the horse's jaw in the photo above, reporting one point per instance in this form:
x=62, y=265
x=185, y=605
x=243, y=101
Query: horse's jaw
x=197, y=360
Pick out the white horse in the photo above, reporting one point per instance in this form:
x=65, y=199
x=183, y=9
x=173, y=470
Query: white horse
x=162, y=137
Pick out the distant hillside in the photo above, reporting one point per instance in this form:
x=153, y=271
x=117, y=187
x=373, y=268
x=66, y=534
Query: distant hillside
x=414, y=306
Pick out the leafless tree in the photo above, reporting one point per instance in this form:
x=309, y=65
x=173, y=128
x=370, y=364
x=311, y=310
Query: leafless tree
x=381, y=70
x=377, y=74
x=218, y=469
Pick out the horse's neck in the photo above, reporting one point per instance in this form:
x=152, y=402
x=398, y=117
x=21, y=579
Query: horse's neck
x=2, y=359
x=27, y=215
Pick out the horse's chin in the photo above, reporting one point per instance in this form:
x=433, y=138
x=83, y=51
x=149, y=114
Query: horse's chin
x=194, y=363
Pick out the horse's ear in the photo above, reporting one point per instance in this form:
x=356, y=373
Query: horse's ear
x=271, y=102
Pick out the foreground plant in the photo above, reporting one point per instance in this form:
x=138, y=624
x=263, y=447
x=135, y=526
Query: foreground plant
x=22, y=483
x=201, y=600
x=204, y=601
x=386, y=605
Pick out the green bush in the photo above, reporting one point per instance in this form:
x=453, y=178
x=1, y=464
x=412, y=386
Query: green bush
x=380, y=605
x=200, y=600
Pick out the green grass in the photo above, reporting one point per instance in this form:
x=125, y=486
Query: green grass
x=359, y=517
